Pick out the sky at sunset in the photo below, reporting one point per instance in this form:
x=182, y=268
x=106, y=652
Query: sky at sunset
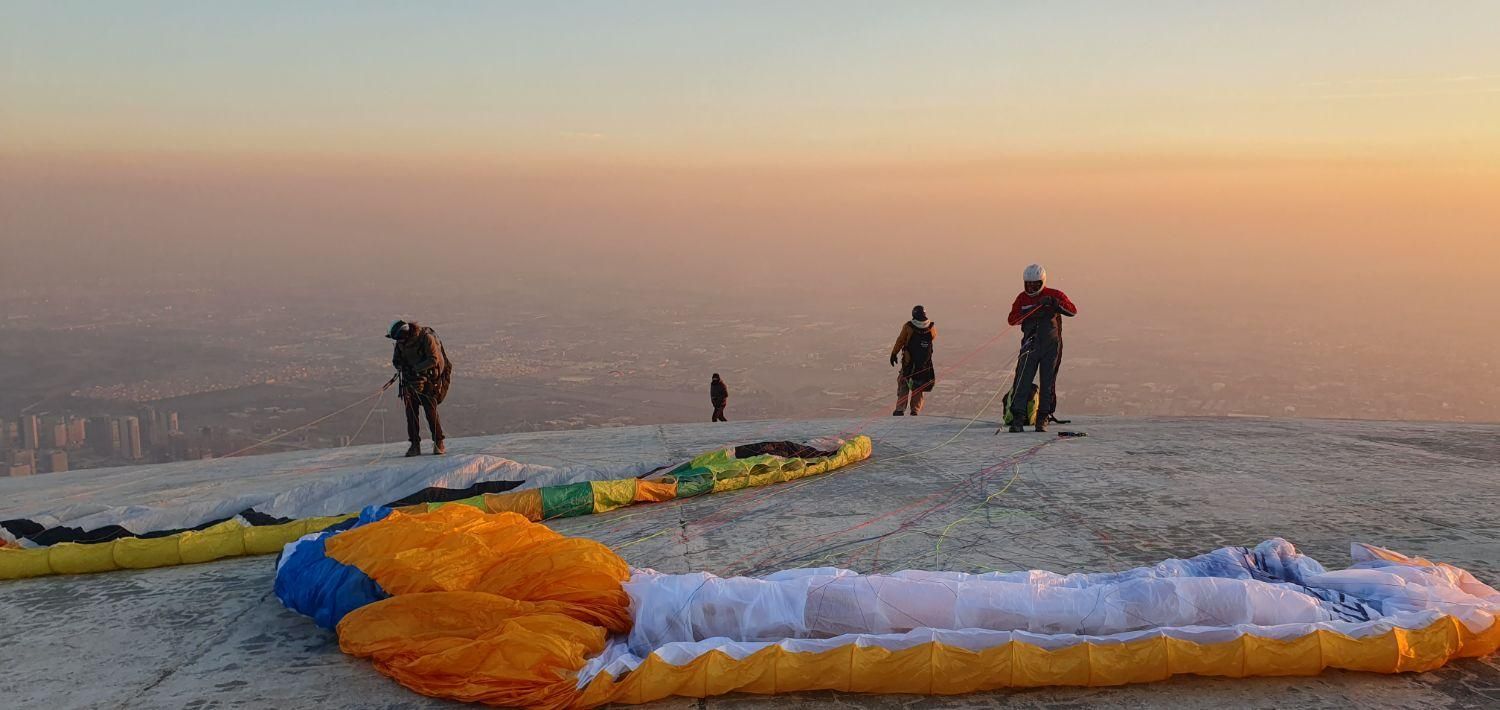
x=1233, y=145
x=754, y=82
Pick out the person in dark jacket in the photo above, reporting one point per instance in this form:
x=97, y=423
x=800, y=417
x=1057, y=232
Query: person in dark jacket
x=1039, y=311
x=424, y=369
x=914, y=349
x=718, y=393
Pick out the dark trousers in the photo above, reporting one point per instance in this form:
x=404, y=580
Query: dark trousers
x=1043, y=357
x=909, y=396
x=419, y=400
x=719, y=411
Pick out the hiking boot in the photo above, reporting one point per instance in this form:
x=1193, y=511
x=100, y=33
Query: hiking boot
x=414, y=450
x=439, y=448
x=1041, y=425
x=1017, y=428
x=898, y=413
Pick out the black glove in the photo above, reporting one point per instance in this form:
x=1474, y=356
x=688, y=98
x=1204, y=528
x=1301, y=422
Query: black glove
x=893, y=361
x=1049, y=301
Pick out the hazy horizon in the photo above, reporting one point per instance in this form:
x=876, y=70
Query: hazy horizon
x=1262, y=190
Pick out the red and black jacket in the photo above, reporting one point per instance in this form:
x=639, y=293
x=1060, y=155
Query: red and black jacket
x=1041, y=314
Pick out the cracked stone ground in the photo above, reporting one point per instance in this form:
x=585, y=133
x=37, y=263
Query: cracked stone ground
x=1132, y=493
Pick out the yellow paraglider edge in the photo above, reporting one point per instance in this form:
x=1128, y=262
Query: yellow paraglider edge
x=939, y=669
x=232, y=538
x=227, y=539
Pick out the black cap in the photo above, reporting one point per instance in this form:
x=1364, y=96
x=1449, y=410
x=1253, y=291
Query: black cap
x=919, y=312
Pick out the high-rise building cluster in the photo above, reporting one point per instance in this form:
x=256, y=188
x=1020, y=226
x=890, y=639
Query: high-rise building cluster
x=32, y=443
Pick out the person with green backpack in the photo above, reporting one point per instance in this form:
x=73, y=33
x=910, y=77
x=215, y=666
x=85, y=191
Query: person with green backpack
x=1039, y=311
x=425, y=372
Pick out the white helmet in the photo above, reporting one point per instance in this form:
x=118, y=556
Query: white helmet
x=1035, y=272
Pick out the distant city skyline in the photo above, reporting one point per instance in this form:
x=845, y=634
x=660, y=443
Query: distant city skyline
x=73, y=441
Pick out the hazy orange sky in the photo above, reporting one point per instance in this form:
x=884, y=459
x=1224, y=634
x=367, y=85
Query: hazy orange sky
x=762, y=82
x=1230, y=143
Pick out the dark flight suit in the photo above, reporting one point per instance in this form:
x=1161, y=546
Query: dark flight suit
x=1040, y=318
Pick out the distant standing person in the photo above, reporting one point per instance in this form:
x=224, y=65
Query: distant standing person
x=425, y=373
x=914, y=350
x=718, y=393
x=1039, y=311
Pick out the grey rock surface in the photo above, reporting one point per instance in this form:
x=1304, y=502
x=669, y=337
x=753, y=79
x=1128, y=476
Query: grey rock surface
x=936, y=495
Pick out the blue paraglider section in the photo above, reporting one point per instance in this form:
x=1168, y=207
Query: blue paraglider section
x=311, y=583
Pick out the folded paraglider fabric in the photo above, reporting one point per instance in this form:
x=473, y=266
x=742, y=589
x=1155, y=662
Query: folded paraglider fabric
x=134, y=537
x=311, y=582
x=462, y=604
x=265, y=491
x=475, y=647
x=225, y=539
x=716, y=471
x=495, y=609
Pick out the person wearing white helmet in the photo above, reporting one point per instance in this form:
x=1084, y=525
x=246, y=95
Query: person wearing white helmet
x=1039, y=311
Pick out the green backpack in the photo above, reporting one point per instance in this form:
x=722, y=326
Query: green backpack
x=445, y=378
x=1010, y=417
